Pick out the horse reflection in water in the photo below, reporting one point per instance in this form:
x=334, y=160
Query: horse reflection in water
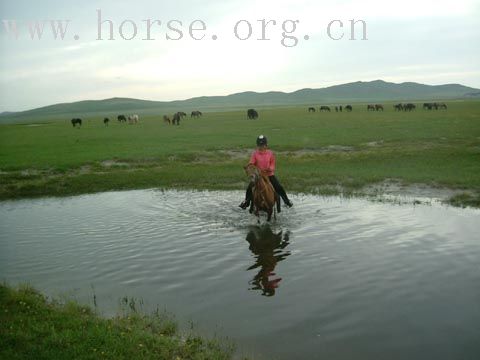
x=268, y=249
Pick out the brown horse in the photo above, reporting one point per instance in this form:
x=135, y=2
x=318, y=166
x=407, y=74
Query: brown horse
x=264, y=196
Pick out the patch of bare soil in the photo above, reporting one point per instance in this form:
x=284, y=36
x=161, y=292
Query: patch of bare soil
x=417, y=193
x=114, y=163
x=245, y=154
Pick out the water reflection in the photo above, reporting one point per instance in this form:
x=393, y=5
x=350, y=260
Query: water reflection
x=269, y=249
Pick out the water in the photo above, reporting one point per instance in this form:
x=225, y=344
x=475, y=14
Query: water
x=329, y=279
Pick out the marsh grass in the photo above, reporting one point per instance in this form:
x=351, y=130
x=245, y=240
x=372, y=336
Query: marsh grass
x=35, y=327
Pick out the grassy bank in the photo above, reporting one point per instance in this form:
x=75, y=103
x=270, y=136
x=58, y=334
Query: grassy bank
x=33, y=327
x=327, y=153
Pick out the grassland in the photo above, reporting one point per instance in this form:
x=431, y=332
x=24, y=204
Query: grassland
x=326, y=153
x=34, y=327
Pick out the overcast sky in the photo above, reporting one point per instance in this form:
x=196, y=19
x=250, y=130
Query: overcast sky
x=427, y=41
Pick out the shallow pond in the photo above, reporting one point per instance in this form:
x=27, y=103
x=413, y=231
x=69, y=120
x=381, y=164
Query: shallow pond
x=329, y=279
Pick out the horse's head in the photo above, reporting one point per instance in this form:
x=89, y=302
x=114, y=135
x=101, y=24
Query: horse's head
x=252, y=172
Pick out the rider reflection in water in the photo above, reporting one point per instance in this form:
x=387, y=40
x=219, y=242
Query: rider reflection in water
x=264, y=159
x=268, y=248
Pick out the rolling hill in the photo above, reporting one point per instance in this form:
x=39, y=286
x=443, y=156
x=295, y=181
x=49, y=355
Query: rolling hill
x=372, y=91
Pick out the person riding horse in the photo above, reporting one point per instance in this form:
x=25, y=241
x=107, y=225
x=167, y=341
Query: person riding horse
x=264, y=159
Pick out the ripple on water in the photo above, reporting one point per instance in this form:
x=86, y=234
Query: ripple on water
x=329, y=271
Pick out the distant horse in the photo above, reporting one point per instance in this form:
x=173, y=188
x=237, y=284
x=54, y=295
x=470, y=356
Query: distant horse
x=398, y=107
x=442, y=106
x=121, y=118
x=378, y=107
x=427, y=106
x=76, y=122
x=336, y=108
x=311, y=109
x=133, y=119
x=264, y=196
x=409, y=107
x=370, y=107
x=166, y=120
x=252, y=114
x=182, y=114
x=176, y=118
x=196, y=114
x=324, y=108
x=106, y=121
x=340, y=108
x=348, y=108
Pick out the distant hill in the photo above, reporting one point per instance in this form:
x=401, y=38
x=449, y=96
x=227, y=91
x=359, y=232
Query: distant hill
x=372, y=91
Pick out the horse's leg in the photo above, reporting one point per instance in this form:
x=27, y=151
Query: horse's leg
x=277, y=201
x=269, y=215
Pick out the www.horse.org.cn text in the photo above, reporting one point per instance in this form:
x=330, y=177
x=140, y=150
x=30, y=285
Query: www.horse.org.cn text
x=286, y=32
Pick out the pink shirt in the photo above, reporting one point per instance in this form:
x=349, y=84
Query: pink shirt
x=264, y=161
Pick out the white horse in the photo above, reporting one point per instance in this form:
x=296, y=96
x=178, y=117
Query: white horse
x=133, y=119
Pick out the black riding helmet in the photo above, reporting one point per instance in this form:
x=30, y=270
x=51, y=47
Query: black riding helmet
x=261, y=140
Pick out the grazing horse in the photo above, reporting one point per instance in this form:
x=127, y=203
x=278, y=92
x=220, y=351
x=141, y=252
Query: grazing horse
x=428, y=106
x=409, y=107
x=166, y=120
x=324, y=108
x=398, y=107
x=264, y=196
x=121, y=118
x=76, y=121
x=378, y=107
x=133, y=119
x=311, y=109
x=370, y=107
x=442, y=106
x=252, y=114
x=106, y=121
x=196, y=114
x=348, y=108
x=176, y=118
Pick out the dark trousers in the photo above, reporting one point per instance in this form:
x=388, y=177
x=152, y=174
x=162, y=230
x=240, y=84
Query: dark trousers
x=276, y=185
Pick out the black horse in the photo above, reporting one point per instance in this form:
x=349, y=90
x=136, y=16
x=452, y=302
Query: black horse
x=348, y=108
x=409, y=107
x=325, y=108
x=196, y=114
x=311, y=109
x=252, y=114
x=76, y=121
x=176, y=118
x=106, y=121
x=122, y=118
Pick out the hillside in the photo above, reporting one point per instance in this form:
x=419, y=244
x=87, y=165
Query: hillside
x=374, y=91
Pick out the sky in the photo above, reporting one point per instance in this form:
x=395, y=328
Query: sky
x=172, y=50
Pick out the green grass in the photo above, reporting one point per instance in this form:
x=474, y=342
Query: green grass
x=437, y=148
x=34, y=327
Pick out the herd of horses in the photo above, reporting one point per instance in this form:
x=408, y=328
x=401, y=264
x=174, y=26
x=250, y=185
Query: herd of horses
x=380, y=107
x=175, y=118
x=134, y=118
x=253, y=114
x=338, y=108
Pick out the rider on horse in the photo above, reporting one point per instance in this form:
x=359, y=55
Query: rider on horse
x=264, y=159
